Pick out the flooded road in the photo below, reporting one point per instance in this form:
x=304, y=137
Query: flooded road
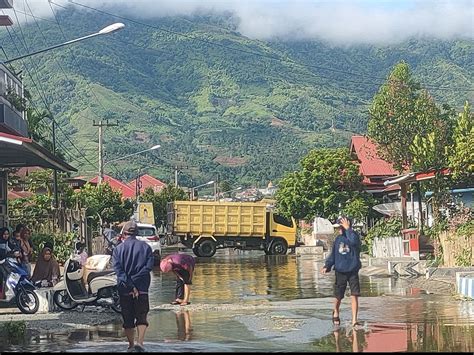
x=249, y=302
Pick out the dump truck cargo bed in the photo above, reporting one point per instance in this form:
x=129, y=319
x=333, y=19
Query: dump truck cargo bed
x=218, y=219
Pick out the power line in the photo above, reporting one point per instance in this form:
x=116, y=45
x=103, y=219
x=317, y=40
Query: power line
x=74, y=57
x=40, y=92
x=282, y=60
x=101, y=124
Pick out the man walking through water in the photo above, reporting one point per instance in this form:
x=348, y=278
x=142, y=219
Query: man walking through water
x=133, y=262
x=345, y=257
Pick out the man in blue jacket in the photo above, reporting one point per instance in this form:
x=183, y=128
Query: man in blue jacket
x=133, y=262
x=345, y=258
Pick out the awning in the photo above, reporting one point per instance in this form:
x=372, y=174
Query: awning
x=17, y=152
x=414, y=177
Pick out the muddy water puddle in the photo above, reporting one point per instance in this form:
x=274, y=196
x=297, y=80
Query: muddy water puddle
x=248, y=302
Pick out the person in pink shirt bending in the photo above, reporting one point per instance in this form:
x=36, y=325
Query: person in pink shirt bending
x=183, y=267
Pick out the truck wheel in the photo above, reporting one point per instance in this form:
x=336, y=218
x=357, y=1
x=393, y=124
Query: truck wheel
x=278, y=247
x=196, y=251
x=207, y=248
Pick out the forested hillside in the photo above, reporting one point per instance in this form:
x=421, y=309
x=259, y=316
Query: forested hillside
x=216, y=102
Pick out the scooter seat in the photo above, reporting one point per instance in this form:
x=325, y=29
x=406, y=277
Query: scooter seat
x=94, y=274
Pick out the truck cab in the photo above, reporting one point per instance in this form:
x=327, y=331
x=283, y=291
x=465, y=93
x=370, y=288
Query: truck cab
x=281, y=233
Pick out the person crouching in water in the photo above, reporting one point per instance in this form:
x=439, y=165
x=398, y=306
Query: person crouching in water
x=345, y=257
x=183, y=267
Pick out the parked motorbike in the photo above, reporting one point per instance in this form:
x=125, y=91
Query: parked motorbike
x=19, y=289
x=101, y=289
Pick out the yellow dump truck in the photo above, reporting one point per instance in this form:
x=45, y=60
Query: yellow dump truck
x=207, y=226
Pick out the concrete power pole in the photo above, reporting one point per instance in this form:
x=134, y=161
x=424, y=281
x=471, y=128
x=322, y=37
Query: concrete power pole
x=101, y=148
x=176, y=176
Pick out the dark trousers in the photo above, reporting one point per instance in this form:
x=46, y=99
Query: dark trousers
x=183, y=277
x=179, y=288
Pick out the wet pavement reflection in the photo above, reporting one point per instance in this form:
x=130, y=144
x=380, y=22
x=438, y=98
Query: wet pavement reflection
x=249, y=302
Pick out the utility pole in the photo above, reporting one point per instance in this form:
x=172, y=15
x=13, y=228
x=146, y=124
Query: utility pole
x=55, y=172
x=177, y=170
x=138, y=185
x=101, y=148
x=176, y=176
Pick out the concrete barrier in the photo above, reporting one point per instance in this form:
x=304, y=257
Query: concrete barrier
x=408, y=268
x=45, y=296
x=465, y=284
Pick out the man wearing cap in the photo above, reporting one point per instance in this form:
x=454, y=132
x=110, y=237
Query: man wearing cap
x=345, y=258
x=133, y=262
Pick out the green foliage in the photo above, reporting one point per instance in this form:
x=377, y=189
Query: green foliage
x=16, y=100
x=103, y=201
x=63, y=244
x=384, y=228
x=160, y=200
x=461, y=157
x=34, y=211
x=14, y=330
x=327, y=178
x=400, y=112
x=360, y=206
x=202, y=102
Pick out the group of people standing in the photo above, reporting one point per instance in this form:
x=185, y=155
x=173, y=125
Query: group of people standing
x=18, y=245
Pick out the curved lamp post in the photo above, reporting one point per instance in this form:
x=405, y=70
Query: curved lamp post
x=197, y=187
x=224, y=192
x=106, y=30
x=132, y=154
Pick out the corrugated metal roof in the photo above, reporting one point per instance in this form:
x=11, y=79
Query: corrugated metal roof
x=370, y=163
x=147, y=181
x=127, y=191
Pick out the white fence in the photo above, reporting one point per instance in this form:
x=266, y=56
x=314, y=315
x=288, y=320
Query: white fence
x=391, y=247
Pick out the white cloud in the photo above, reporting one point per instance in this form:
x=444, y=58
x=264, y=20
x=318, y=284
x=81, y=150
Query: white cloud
x=338, y=21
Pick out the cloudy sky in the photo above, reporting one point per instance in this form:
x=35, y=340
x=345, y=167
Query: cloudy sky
x=342, y=22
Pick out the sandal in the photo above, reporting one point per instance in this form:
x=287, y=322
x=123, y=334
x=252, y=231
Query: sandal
x=335, y=319
x=184, y=303
x=356, y=324
x=175, y=302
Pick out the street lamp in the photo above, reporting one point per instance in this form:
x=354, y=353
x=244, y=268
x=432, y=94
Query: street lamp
x=224, y=192
x=101, y=168
x=197, y=187
x=106, y=30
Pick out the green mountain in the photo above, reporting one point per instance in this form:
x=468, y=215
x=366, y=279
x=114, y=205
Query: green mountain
x=217, y=102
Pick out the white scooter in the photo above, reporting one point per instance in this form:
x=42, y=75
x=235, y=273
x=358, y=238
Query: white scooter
x=101, y=289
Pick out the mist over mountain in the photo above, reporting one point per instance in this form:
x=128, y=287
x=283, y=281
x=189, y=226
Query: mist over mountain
x=216, y=100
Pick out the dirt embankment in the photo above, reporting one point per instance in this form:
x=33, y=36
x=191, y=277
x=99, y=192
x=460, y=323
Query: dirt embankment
x=62, y=321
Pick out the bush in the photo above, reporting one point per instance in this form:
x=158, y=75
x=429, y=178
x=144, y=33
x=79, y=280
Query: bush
x=384, y=228
x=14, y=330
x=63, y=244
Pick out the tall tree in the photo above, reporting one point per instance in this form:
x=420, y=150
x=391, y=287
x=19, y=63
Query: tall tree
x=399, y=112
x=461, y=159
x=327, y=183
x=103, y=201
x=161, y=199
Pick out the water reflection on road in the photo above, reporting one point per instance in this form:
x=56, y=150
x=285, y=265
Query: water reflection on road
x=246, y=302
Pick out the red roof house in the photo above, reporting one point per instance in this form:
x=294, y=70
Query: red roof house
x=373, y=168
x=127, y=191
x=147, y=181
